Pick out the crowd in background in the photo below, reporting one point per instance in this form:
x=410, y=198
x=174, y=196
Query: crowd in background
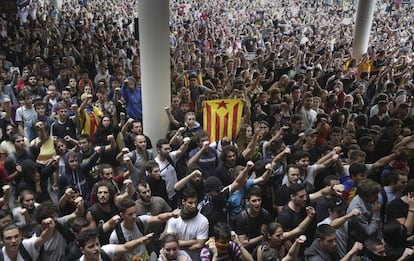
x=320, y=169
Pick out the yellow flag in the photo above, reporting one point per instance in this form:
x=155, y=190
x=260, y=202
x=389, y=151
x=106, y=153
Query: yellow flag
x=222, y=118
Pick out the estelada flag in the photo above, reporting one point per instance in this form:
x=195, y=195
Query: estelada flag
x=196, y=72
x=222, y=118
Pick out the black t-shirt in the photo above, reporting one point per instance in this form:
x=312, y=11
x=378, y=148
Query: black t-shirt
x=100, y=218
x=251, y=227
x=397, y=209
x=290, y=219
x=158, y=188
x=222, y=171
x=61, y=130
x=282, y=195
x=289, y=138
x=321, y=209
x=214, y=209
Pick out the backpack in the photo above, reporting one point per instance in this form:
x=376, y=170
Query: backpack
x=148, y=156
x=384, y=205
x=122, y=240
x=120, y=235
x=268, y=253
x=104, y=255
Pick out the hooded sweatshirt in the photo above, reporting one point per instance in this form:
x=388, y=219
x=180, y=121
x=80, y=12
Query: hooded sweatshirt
x=316, y=253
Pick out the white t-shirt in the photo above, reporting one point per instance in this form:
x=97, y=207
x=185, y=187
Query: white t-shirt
x=131, y=235
x=168, y=173
x=27, y=117
x=194, y=228
x=109, y=250
x=29, y=245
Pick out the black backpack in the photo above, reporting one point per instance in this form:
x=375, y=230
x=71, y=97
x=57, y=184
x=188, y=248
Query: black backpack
x=121, y=238
x=120, y=234
x=104, y=255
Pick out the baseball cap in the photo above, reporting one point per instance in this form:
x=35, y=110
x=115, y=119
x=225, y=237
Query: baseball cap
x=212, y=184
x=337, y=204
x=310, y=132
x=375, y=129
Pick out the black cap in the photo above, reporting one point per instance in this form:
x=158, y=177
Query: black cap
x=337, y=205
x=310, y=132
x=212, y=184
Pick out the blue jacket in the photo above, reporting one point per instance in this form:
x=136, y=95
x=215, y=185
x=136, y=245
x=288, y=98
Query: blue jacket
x=133, y=99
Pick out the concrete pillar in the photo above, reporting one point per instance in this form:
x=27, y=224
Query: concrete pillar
x=362, y=29
x=154, y=38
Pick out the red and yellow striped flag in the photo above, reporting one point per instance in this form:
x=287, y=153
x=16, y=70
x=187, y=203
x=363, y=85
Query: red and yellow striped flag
x=222, y=118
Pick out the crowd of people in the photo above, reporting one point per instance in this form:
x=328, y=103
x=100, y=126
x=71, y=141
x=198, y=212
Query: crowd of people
x=320, y=168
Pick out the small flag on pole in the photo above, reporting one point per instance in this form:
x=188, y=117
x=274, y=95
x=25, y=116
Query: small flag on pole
x=222, y=118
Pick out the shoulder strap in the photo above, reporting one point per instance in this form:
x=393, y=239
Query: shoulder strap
x=217, y=158
x=140, y=226
x=23, y=252
x=104, y=255
x=42, y=248
x=120, y=234
x=133, y=157
x=244, y=215
x=170, y=160
x=1, y=253
x=384, y=204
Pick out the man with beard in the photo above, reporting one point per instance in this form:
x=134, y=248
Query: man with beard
x=230, y=158
x=103, y=210
x=66, y=99
x=136, y=159
x=304, y=109
x=191, y=227
x=86, y=151
x=38, y=91
x=147, y=204
x=213, y=206
x=135, y=127
x=134, y=226
x=308, y=172
x=77, y=173
x=204, y=156
x=167, y=160
x=192, y=180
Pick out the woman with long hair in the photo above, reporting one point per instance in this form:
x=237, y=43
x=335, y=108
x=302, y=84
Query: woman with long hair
x=24, y=214
x=105, y=129
x=277, y=245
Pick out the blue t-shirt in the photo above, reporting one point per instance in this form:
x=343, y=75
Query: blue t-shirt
x=235, y=201
x=207, y=162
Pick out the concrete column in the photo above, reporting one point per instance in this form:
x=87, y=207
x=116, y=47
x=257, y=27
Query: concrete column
x=362, y=29
x=155, y=65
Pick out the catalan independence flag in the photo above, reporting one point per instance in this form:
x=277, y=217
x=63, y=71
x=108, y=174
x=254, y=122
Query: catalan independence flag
x=222, y=118
x=196, y=72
